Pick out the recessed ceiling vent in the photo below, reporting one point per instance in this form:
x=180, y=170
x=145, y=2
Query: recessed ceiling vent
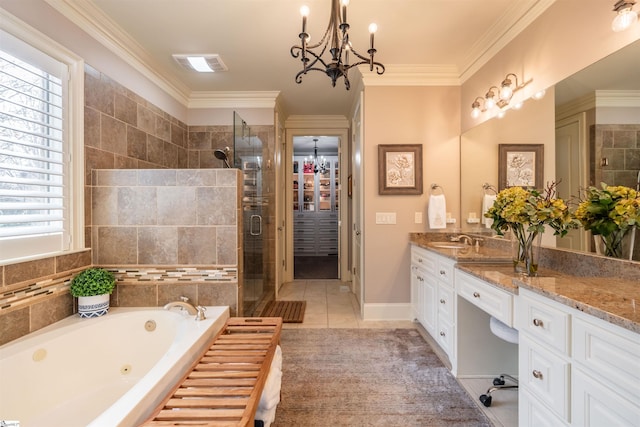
x=209, y=63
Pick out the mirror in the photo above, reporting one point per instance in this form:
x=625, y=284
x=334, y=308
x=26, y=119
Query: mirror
x=608, y=94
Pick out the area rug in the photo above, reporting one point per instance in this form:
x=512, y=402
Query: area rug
x=368, y=377
x=290, y=311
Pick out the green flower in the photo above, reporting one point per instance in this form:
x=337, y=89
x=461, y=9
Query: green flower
x=517, y=207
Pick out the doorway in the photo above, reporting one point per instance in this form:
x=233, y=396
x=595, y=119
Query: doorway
x=316, y=207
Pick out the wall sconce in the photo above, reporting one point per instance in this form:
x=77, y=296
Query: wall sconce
x=503, y=101
x=625, y=16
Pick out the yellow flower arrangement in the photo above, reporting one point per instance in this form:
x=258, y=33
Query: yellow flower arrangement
x=526, y=212
x=609, y=211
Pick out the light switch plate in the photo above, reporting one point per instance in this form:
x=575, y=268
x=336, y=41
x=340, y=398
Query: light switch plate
x=385, y=217
x=418, y=218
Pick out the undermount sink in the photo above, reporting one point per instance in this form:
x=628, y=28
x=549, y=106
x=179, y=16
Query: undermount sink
x=447, y=245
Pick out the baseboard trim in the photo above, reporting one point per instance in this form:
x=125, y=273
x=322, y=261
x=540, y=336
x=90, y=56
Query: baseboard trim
x=387, y=311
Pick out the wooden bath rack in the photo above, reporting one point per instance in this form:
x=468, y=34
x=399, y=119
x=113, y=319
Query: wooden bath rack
x=224, y=386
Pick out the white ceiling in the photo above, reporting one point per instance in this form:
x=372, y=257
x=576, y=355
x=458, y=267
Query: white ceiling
x=254, y=37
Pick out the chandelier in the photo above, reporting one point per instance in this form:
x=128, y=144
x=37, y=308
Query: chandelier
x=318, y=165
x=336, y=42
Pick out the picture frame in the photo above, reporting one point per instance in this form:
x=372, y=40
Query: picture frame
x=400, y=169
x=520, y=165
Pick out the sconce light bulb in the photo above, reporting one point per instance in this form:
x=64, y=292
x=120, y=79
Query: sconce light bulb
x=539, y=94
x=501, y=114
x=624, y=19
x=304, y=10
x=344, y=2
x=518, y=105
x=475, y=112
x=506, y=92
x=373, y=28
x=489, y=103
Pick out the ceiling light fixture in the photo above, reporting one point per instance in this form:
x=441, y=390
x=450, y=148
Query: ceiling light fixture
x=625, y=16
x=207, y=63
x=336, y=41
x=321, y=165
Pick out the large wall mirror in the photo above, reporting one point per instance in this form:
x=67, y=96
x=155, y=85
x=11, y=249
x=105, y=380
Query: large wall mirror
x=589, y=124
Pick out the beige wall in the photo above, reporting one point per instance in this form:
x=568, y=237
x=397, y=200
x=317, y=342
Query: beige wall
x=405, y=115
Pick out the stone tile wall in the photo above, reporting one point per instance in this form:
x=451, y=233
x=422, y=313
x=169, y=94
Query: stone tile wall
x=34, y=294
x=620, y=145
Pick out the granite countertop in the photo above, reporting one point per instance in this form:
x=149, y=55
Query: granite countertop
x=612, y=299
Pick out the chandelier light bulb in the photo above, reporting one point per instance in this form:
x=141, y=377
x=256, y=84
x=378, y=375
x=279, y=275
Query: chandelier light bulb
x=304, y=10
x=344, y=2
x=373, y=28
x=624, y=19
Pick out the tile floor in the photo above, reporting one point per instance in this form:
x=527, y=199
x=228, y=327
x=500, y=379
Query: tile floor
x=330, y=304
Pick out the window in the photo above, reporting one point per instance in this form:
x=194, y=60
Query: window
x=39, y=187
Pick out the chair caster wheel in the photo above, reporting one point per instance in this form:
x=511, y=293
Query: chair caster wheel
x=486, y=400
x=498, y=381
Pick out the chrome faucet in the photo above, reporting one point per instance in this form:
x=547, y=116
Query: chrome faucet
x=462, y=237
x=184, y=304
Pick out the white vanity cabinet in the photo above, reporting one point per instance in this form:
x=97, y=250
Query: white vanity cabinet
x=433, y=296
x=575, y=369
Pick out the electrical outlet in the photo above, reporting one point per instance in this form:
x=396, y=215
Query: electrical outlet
x=418, y=218
x=385, y=218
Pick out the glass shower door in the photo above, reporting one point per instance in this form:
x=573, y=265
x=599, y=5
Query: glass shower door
x=248, y=158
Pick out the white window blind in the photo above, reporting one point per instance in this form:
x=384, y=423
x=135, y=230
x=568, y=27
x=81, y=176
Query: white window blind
x=33, y=163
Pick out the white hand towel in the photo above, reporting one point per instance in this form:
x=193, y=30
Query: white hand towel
x=487, y=202
x=437, y=211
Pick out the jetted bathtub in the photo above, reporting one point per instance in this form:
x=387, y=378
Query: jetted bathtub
x=101, y=372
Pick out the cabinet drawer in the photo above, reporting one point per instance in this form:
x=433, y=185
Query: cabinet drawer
x=542, y=321
x=446, y=301
x=610, y=353
x=597, y=405
x=445, y=336
x=444, y=271
x=421, y=259
x=546, y=375
x=532, y=413
x=494, y=301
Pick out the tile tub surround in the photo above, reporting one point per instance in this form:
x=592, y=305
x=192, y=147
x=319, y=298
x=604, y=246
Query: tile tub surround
x=166, y=217
x=34, y=294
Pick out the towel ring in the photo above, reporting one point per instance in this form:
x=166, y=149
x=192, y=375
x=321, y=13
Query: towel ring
x=488, y=187
x=434, y=188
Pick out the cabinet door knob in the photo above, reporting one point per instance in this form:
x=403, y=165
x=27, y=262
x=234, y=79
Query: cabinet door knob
x=476, y=295
x=421, y=278
x=443, y=273
x=442, y=301
x=537, y=374
x=537, y=322
x=442, y=334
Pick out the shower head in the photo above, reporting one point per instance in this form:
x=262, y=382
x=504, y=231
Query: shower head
x=223, y=155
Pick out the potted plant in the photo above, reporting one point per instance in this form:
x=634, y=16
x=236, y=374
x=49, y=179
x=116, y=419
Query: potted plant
x=92, y=287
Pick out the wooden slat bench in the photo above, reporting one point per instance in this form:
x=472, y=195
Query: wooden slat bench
x=224, y=386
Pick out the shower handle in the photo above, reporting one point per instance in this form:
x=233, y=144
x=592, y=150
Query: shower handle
x=254, y=222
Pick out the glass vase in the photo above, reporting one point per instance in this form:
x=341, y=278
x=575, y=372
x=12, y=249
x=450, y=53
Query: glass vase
x=525, y=250
x=618, y=244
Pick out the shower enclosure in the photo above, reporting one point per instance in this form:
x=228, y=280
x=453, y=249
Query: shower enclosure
x=248, y=157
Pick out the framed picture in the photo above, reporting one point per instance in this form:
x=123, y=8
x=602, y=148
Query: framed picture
x=520, y=165
x=400, y=169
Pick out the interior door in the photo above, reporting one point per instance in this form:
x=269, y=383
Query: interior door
x=357, y=197
x=571, y=167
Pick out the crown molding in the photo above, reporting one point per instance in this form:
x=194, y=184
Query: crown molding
x=317, y=122
x=221, y=99
x=412, y=75
x=515, y=19
x=617, y=98
x=98, y=25
x=576, y=106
